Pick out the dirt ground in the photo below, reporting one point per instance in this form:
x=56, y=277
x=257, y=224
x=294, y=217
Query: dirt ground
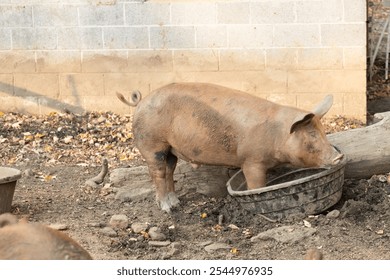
x=58, y=153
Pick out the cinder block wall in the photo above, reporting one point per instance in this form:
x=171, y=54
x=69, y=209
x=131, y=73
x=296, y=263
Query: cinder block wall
x=75, y=54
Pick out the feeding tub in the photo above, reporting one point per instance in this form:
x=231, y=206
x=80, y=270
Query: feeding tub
x=306, y=191
x=8, y=179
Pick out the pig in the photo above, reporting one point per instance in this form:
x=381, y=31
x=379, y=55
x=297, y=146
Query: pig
x=210, y=124
x=25, y=241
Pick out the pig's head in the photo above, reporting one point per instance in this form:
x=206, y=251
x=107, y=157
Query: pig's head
x=307, y=144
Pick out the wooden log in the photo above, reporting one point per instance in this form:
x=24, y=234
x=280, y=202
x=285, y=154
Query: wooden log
x=367, y=149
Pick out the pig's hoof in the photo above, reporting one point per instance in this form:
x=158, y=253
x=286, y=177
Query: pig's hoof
x=173, y=200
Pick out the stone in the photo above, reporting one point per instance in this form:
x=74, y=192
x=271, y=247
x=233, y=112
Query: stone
x=123, y=175
x=156, y=234
x=285, y=234
x=138, y=227
x=119, y=221
x=159, y=243
x=107, y=231
x=217, y=246
x=138, y=191
x=59, y=226
x=333, y=214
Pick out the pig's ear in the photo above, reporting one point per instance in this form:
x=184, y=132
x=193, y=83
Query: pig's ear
x=301, y=121
x=324, y=106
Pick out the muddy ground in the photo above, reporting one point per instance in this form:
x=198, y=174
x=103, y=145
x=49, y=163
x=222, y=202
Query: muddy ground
x=58, y=153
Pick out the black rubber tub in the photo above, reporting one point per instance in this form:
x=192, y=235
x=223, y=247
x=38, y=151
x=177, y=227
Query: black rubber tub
x=8, y=179
x=307, y=191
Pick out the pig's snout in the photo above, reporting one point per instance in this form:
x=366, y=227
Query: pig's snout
x=337, y=159
x=339, y=156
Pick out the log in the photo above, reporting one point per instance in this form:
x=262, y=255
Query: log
x=367, y=148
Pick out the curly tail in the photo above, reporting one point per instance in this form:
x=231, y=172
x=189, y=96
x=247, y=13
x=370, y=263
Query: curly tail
x=136, y=97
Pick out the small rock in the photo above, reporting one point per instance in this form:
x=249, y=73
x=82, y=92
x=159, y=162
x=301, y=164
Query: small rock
x=138, y=227
x=205, y=243
x=159, y=243
x=28, y=172
x=59, y=226
x=101, y=119
x=216, y=246
x=96, y=224
x=156, y=234
x=107, y=231
x=119, y=221
x=285, y=234
x=220, y=220
x=333, y=214
x=139, y=192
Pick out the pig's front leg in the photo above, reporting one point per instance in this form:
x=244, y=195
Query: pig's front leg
x=255, y=175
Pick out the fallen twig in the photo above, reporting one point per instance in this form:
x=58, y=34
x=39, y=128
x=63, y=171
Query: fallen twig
x=98, y=179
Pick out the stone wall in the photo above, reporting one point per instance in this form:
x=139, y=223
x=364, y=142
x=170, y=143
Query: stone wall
x=75, y=54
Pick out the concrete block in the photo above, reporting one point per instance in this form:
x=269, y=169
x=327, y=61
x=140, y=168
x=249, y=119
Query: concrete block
x=355, y=58
x=355, y=104
x=24, y=105
x=104, y=61
x=283, y=99
x=74, y=104
x=344, y=81
x=58, y=61
x=106, y=103
x=320, y=11
x=157, y=80
x=5, y=42
x=101, y=15
x=16, y=15
x=125, y=83
x=150, y=61
x=343, y=35
x=259, y=83
x=6, y=85
x=34, y=39
x=329, y=81
x=55, y=15
x=305, y=81
x=80, y=85
x=308, y=101
x=91, y=38
x=36, y=85
x=320, y=58
x=355, y=10
x=272, y=81
x=250, y=36
x=178, y=37
x=195, y=60
x=126, y=38
x=272, y=12
x=71, y=38
x=296, y=35
x=233, y=12
x=147, y=13
x=231, y=79
x=17, y=61
x=211, y=36
x=185, y=13
x=285, y=59
x=241, y=60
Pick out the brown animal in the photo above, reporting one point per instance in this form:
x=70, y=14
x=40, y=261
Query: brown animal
x=24, y=241
x=313, y=254
x=210, y=124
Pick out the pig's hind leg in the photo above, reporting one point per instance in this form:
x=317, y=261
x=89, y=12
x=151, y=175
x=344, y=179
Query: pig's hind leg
x=171, y=165
x=161, y=166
